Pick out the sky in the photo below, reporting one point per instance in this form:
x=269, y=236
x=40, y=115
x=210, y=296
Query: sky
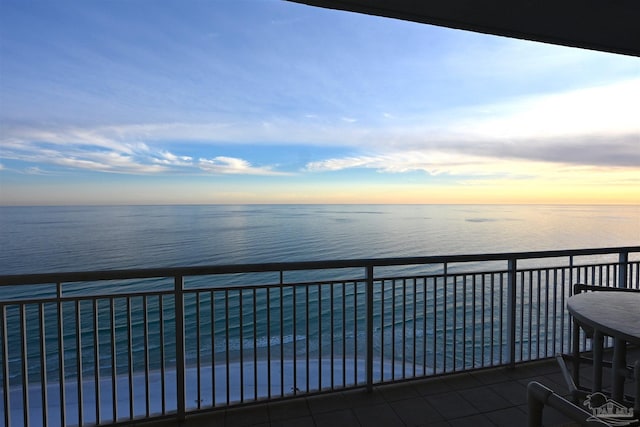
x=268, y=101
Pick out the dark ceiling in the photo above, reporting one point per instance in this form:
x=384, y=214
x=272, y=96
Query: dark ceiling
x=605, y=25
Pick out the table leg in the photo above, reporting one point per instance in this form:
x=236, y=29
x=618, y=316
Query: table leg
x=576, y=353
x=619, y=364
x=597, y=342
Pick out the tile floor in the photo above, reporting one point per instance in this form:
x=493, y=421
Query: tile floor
x=493, y=397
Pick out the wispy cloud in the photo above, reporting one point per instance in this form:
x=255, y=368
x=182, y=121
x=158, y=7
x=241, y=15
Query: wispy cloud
x=170, y=159
x=231, y=165
x=100, y=154
x=35, y=170
x=433, y=163
x=470, y=169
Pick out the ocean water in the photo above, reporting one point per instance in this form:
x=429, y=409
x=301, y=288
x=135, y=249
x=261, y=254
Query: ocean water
x=57, y=239
x=81, y=238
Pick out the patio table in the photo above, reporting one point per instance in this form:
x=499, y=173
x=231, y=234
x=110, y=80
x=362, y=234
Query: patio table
x=613, y=314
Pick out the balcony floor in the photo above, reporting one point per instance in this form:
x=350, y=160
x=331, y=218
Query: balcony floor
x=493, y=397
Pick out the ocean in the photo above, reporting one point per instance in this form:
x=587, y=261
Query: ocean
x=82, y=238
x=85, y=238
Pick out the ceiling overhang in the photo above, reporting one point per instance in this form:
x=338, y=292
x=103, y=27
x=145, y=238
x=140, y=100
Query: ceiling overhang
x=604, y=25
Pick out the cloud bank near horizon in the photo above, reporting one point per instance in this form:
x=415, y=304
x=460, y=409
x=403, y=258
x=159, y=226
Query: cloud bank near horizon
x=589, y=127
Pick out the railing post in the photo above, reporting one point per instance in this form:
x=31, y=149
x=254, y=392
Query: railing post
x=511, y=312
x=5, y=364
x=623, y=260
x=180, y=368
x=369, y=354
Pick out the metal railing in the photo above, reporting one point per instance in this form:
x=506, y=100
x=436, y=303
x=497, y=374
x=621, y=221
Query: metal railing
x=117, y=346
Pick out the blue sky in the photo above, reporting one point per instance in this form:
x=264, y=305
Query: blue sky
x=275, y=102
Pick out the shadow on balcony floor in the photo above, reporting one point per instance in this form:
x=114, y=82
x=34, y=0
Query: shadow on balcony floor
x=494, y=397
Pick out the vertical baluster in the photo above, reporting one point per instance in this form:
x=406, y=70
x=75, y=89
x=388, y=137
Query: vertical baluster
x=404, y=328
x=530, y=310
x=162, y=356
x=473, y=317
x=355, y=334
x=281, y=283
x=145, y=324
x=198, y=364
x=424, y=326
x=445, y=311
x=393, y=329
x=511, y=311
x=501, y=321
x=79, y=362
x=255, y=348
x=25, y=365
x=464, y=320
x=294, y=324
x=492, y=318
x=482, y=321
x=212, y=311
x=600, y=282
x=555, y=312
x=584, y=337
x=319, y=336
x=331, y=287
x=129, y=326
x=96, y=358
x=521, y=301
x=241, y=329
x=43, y=366
x=306, y=295
x=114, y=361
x=5, y=366
x=435, y=323
x=382, y=332
x=538, y=311
x=226, y=332
x=522, y=323
x=63, y=401
x=563, y=349
x=415, y=322
x=455, y=322
x=546, y=315
x=344, y=335
x=268, y=293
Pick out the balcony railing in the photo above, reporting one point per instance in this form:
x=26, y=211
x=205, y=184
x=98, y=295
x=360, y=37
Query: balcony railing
x=116, y=346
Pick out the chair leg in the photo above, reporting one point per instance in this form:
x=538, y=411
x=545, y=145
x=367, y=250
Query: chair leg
x=573, y=390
